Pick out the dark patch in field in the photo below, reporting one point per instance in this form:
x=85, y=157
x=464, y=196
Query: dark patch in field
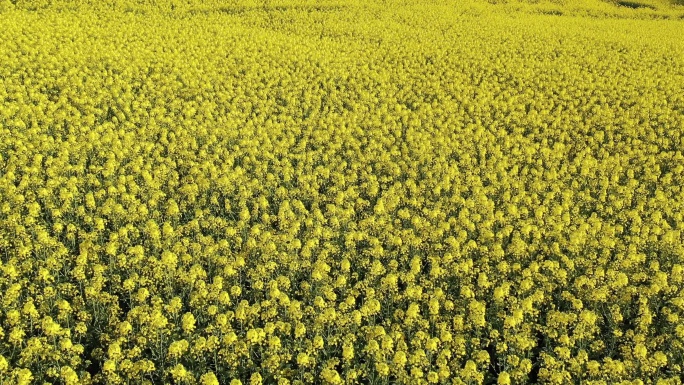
x=281, y=8
x=634, y=5
x=554, y=12
x=536, y=353
x=309, y=8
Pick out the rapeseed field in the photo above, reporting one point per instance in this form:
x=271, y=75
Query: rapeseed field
x=341, y=192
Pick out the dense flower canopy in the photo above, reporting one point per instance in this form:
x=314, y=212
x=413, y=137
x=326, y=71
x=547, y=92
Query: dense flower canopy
x=302, y=192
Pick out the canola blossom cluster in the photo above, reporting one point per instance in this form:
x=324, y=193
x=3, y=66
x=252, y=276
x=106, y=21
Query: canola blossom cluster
x=303, y=192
